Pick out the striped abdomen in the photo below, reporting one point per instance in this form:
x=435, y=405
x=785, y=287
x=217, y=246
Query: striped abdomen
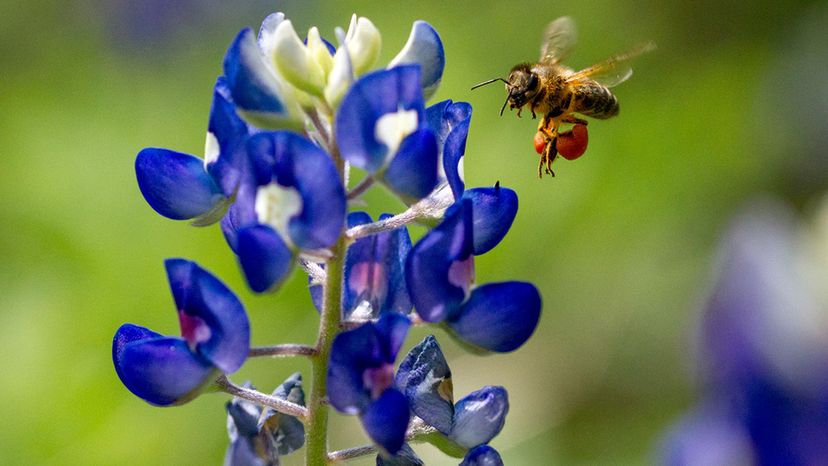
x=594, y=100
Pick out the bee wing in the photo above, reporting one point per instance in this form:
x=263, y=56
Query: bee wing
x=558, y=40
x=614, y=70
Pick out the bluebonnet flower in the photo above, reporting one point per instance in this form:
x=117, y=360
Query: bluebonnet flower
x=215, y=339
x=299, y=204
x=440, y=276
x=763, y=353
x=290, y=117
x=374, y=273
x=258, y=437
x=380, y=127
x=361, y=379
x=425, y=379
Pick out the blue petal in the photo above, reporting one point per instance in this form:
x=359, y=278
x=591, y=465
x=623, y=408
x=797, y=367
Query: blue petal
x=201, y=296
x=370, y=346
x=284, y=433
x=128, y=333
x=425, y=379
x=453, y=151
x=412, y=173
x=483, y=455
x=241, y=214
x=242, y=452
x=231, y=167
x=371, y=97
x=253, y=87
x=374, y=271
x=404, y=457
x=245, y=417
x=451, y=122
x=386, y=421
x=424, y=48
x=291, y=390
x=392, y=329
x=163, y=371
x=434, y=290
x=480, y=416
x=176, y=184
x=498, y=316
x=494, y=211
x=352, y=352
x=264, y=257
x=296, y=162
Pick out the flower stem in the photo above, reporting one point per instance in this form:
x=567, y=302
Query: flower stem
x=285, y=350
x=360, y=188
x=417, y=431
x=317, y=421
x=280, y=405
x=428, y=209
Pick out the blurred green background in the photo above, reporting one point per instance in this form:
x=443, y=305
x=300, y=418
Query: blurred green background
x=620, y=243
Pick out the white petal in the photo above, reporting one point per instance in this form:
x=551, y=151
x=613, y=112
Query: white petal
x=276, y=205
x=211, y=149
x=393, y=127
x=340, y=78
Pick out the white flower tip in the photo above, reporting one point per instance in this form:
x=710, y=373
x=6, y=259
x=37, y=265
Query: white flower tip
x=319, y=51
x=294, y=61
x=363, y=42
x=423, y=48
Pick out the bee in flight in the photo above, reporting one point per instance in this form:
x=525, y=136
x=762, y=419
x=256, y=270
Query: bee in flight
x=559, y=93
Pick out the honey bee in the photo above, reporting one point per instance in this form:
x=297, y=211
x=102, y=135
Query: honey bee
x=559, y=93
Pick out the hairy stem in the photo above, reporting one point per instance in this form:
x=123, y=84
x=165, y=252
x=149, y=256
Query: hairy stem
x=430, y=208
x=360, y=188
x=317, y=421
x=280, y=405
x=283, y=351
x=416, y=431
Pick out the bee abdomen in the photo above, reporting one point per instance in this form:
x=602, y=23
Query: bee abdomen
x=596, y=101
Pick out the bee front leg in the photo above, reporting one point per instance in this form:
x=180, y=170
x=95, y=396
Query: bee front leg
x=519, y=110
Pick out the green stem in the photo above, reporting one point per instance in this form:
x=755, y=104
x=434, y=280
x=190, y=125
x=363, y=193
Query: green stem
x=317, y=420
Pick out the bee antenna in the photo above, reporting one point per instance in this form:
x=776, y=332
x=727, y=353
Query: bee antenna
x=505, y=102
x=488, y=82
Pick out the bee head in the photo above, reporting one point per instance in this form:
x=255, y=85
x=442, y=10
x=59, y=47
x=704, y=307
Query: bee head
x=523, y=85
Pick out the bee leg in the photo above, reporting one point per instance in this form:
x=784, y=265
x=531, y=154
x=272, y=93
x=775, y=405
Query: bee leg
x=519, y=110
x=551, y=154
x=547, y=157
x=533, y=114
x=540, y=165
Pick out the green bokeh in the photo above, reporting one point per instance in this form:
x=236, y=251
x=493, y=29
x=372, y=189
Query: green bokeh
x=620, y=243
